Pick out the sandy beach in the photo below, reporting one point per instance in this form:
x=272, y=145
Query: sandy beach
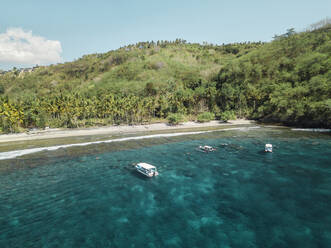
x=121, y=129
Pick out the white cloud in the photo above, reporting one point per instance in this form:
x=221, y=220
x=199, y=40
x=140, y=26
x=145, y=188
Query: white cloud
x=22, y=47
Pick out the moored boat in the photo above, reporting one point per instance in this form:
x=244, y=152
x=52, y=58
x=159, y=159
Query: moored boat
x=268, y=148
x=146, y=169
x=206, y=148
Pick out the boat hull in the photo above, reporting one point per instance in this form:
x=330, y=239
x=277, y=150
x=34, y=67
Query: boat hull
x=151, y=174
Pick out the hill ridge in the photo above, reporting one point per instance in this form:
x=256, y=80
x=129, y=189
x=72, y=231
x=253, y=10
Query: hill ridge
x=286, y=80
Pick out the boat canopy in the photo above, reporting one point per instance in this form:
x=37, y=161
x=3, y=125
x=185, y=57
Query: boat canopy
x=146, y=166
x=268, y=145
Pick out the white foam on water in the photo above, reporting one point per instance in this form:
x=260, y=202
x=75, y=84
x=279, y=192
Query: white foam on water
x=321, y=130
x=18, y=153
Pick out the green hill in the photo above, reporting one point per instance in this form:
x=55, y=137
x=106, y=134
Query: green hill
x=286, y=80
x=131, y=66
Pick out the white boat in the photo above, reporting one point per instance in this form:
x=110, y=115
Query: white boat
x=268, y=148
x=206, y=148
x=147, y=169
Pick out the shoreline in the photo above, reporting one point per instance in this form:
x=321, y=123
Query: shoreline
x=121, y=129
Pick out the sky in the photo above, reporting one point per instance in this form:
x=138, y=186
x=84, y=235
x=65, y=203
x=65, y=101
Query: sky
x=48, y=32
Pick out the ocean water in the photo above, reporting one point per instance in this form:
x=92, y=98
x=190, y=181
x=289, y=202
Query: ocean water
x=237, y=196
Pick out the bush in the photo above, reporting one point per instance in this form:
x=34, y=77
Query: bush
x=150, y=89
x=2, y=89
x=70, y=122
x=175, y=118
x=206, y=116
x=41, y=120
x=227, y=115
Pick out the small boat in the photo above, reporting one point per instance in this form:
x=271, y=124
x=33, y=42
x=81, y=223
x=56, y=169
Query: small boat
x=206, y=148
x=268, y=148
x=147, y=169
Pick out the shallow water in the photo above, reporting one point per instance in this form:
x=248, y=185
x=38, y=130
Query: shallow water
x=237, y=196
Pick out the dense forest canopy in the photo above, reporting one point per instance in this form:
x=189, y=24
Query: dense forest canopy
x=287, y=80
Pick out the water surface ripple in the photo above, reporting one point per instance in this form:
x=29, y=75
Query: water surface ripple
x=237, y=196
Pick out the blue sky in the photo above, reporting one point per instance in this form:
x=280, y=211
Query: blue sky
x=66, y=30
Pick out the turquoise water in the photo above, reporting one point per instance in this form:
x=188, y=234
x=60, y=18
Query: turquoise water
x=237, y=196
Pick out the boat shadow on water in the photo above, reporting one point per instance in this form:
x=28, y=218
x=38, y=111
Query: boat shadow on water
x=136, y=174
x=262, y=152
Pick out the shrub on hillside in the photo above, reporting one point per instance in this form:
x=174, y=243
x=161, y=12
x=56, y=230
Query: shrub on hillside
x=2, y=89
x=206, y=116
x=175, y=118
x=227, y=115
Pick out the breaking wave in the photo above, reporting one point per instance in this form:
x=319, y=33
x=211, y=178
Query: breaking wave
x=321, y=130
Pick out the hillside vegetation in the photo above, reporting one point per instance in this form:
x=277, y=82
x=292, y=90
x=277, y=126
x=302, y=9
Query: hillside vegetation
x=286, y=81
